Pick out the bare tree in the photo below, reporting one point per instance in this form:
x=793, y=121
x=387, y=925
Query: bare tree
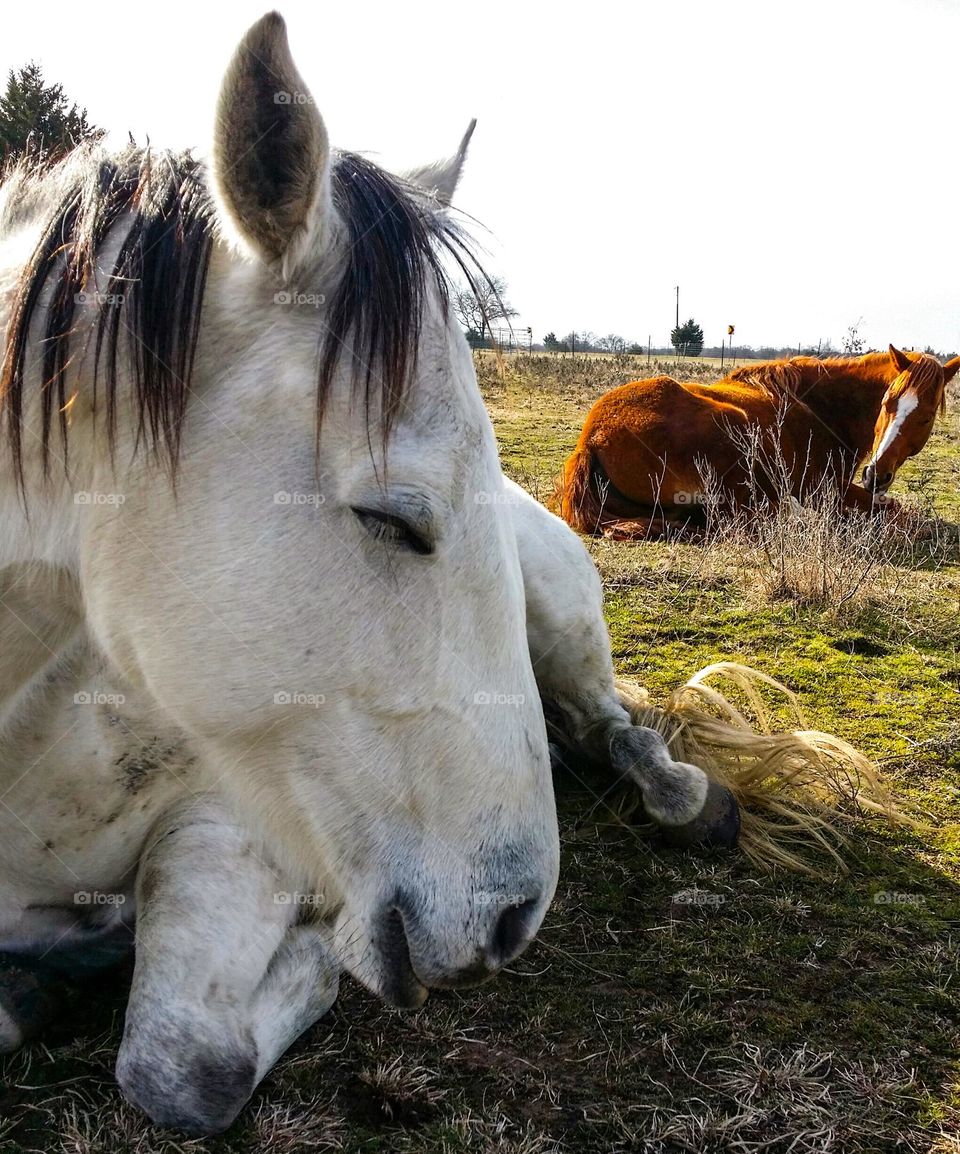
x=479, y=307
x=612, y=343
x=853, y=344
x=575, y=342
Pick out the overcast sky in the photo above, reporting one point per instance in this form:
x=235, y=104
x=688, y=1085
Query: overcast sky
x=792, y=166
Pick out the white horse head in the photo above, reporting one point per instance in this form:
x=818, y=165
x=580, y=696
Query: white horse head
x=282, y=502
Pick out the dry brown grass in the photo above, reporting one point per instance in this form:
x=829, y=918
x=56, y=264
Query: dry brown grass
x=797, y=1100
x=581, y=375
x=816, y=553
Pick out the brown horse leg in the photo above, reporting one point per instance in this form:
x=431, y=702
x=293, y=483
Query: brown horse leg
x=656, y=527
x=860, y=500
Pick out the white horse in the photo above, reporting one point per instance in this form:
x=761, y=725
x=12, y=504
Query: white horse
x=274, y=631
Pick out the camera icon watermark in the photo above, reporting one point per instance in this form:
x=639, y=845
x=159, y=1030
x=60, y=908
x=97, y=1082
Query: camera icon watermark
x=285, y=497
x=84, y=497
x=97, y=898
x=485, y=697
x=291, y=297
x=94, y=697
x=686, y=497
x=98, y=298
x=284, y=97
x=498, y=497
x=697, y=898
x=287, y=697
x=295, y=898
x=498, y=898
x=892, y=898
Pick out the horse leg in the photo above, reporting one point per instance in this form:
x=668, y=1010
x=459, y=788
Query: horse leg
x=655, y=527
x=570, y=651
x=224, y=979
x=857, y=499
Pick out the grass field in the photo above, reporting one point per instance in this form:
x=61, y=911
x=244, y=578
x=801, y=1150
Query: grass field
x=773, y=1012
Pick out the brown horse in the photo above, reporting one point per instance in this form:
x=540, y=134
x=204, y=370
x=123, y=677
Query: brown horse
x=646, y=448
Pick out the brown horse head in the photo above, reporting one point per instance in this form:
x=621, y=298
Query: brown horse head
x=907, y=413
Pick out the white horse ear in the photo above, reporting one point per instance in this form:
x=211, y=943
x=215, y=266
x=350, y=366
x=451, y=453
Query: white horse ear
x=271, y=156
x=441, y=178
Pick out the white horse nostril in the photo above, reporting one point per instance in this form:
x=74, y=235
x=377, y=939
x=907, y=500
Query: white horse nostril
x=512, y=931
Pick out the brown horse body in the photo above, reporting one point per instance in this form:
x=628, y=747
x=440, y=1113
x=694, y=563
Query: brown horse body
x=650, y=449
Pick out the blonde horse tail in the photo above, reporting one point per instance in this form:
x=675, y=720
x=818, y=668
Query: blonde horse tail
x=797, y=790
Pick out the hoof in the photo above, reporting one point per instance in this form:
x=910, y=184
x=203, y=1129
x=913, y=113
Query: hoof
x=197, y=1094
x=717, y=824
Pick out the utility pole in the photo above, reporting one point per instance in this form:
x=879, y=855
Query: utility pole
x=677, y=347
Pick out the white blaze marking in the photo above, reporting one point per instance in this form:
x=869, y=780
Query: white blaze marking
x=908, y=402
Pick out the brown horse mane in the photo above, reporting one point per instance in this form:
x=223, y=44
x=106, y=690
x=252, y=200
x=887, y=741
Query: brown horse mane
x=776, y=378
x=925, y=374
x=783, y=378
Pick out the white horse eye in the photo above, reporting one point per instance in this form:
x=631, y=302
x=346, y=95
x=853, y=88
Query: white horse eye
x=392, y=530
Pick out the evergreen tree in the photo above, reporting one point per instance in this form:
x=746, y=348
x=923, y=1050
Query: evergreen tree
x=687, y=339
x=38, y=118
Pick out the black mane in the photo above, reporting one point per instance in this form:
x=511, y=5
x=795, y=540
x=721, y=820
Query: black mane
x=396, y=241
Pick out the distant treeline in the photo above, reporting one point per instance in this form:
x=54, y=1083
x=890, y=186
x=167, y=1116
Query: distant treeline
x=590, y=343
